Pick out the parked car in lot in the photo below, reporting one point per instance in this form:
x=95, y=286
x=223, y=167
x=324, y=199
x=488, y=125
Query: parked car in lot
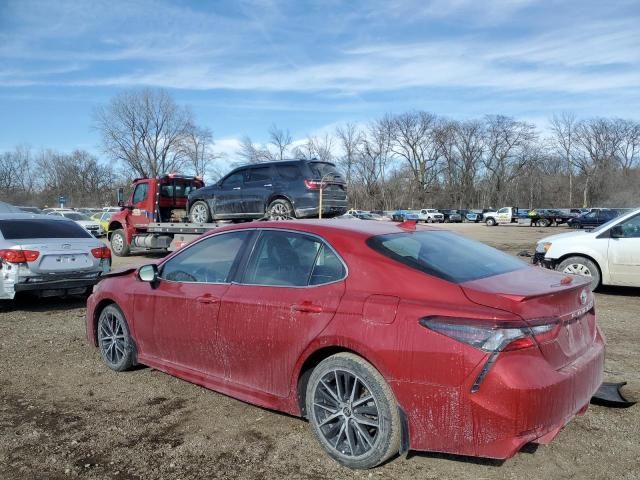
x=429, y=215
x=403, y=215
x=592, y=219
x=451, y=216
x=84, y=221
x=608, y=255
x=385, y=338
x=30, y=209
x=48, y=255
x=278, y=190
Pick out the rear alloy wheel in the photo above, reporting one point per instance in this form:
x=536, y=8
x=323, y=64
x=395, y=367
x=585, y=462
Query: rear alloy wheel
x=353, y=411
x=200, y=213
x=581, y=266
x=119, y=243
x=280, y=209
x=114, y=341
x=491, y=222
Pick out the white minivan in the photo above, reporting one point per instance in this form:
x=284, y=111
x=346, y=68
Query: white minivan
x=610, y=253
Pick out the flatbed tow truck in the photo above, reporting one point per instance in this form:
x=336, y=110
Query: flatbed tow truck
x=154, y=217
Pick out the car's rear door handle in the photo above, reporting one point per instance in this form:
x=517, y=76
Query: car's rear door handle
x=236, y=188
x=207, y=299
x=268, y=185
x=307, y=307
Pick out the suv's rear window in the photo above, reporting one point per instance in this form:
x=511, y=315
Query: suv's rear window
x=41, y=228
x=445, y=255
x=323, y=169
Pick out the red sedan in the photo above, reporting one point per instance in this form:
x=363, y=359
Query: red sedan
x=386, y=337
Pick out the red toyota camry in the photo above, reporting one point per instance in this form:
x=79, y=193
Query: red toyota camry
x=386, y=337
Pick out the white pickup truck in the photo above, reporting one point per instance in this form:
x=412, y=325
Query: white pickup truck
x=610, y=253
x=429, y=215
x=500, y=217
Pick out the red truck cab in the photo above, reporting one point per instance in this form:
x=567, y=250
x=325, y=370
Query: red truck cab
x=153, y=201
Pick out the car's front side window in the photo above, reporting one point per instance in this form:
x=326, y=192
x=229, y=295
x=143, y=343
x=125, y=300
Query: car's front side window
x=140, y=193
x=282, y=258
x=631, y=228
x=233, y=180
x=208, y=261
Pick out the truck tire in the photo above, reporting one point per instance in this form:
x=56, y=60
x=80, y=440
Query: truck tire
x=119, y=243
x=581, y=266
x=491, y=222
x=544, y=222
x=199, y=212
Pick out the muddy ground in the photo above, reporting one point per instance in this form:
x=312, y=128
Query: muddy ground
x=63, y=414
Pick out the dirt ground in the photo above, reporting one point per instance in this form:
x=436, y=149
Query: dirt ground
x=64, y=414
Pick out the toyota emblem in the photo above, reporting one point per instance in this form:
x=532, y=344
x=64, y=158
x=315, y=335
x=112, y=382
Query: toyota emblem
x=584, y=296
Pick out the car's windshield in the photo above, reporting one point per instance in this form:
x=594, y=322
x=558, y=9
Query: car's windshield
x=76, y=216
x=445, y=255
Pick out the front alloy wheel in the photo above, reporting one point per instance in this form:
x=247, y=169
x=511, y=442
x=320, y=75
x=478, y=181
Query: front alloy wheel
x=114, y=341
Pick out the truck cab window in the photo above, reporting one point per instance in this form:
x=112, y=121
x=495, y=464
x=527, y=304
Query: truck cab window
x=140, y=193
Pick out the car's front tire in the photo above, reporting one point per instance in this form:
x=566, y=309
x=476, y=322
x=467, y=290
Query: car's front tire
x=491, y=222
x=114, y=340
x=581, y=266
x=353, y=412
x=199, y=212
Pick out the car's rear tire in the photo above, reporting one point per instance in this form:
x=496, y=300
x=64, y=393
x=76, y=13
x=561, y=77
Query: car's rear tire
x=353, y=412
x=114, y=340
x=119, y=244
x=581, y=266
x=280, y=209
x=199, y=212
x=491, y=222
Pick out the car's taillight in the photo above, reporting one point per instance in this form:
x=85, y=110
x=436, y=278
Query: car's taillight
x=493, y=336
x=313, y=184
x=19, y=256
x=101, y=252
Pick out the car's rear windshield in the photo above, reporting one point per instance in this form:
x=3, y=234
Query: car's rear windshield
x=325, y=170
x=445, y=255
x=41, y=228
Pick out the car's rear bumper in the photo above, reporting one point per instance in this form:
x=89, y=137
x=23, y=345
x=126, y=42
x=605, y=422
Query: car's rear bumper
x=522, y=400
x=56, y=287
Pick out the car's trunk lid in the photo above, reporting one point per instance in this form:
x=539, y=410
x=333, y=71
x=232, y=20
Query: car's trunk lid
x=62, y=255
x=541, y=296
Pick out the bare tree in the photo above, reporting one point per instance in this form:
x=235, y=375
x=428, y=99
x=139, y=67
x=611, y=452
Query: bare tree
x=563, y=129
x=281, y=140
x=197, y=144
x=628, y=149
x=145, y=130
x=349, y=138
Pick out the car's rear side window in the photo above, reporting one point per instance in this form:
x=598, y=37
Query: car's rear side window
x=41, y=228
x=445, y=255
x=288, y=172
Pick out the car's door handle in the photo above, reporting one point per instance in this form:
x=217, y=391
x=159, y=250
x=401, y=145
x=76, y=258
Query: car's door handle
x=307, y=307
x=268, y=185
x=236, y=188
x=207, y=299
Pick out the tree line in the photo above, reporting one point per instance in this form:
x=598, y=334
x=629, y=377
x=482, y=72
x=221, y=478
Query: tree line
x=407, y=160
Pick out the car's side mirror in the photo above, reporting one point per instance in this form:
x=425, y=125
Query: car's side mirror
x=120, y=197
x=616, y=232
x=148, y=273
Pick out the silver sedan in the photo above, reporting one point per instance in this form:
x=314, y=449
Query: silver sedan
x=49, y=256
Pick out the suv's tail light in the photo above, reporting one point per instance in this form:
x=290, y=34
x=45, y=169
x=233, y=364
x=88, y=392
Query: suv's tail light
x=493, y=336
x=101, y=252
x=313, y=184
x=19, y=256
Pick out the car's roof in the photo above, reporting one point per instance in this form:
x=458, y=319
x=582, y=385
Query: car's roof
x=31, y=216
x=359, y=228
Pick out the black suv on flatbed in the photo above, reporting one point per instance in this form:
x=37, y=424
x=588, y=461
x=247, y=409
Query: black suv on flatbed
x=278, y=190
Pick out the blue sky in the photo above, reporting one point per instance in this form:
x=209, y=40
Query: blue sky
x=308, y=66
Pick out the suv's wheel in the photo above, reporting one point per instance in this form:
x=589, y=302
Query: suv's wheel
x=200, y=213
x=280, y=209
x=353, y=411
x=581, y=266
x=491, y=222
x=119, y=243
x=114, y=340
